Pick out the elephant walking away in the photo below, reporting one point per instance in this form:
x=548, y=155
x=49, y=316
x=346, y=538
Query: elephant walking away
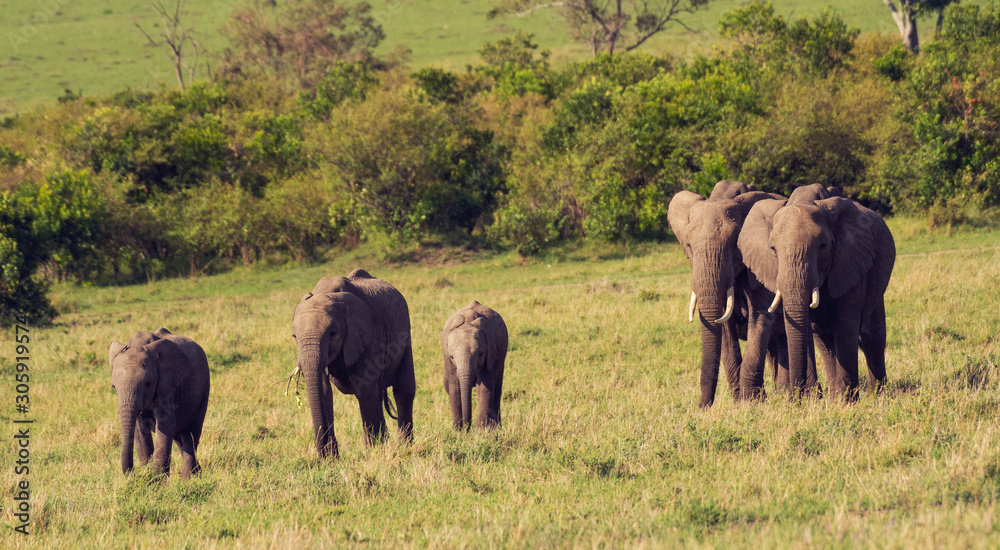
x=475, y=350
x=355, y=332
x=162, y=382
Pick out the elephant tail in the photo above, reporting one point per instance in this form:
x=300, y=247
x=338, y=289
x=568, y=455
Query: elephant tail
x=388, y=404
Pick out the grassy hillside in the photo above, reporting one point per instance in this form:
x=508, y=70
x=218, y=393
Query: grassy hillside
x=95, y=47
x=602, y=439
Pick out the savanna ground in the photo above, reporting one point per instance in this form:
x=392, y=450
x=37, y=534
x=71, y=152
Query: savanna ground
x=93, y=47
x=602, y=441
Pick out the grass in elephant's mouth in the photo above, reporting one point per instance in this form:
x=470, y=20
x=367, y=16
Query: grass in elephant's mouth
x=602, y=441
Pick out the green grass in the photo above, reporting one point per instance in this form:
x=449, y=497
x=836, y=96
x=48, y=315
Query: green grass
x=602, y=441
x=95, y=48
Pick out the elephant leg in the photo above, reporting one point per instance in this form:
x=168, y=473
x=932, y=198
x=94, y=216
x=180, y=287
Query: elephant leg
x=495, y=398
x=144, y=439
x=847, y=362
x=731, y=357
x=185, y=442
x=825, y=343
x=812, y=377
x=752, y=367
x=164, y=443
x=370, y=402
x=404, y=390
x=486, y=395
x=779, y=357
x=873, y=346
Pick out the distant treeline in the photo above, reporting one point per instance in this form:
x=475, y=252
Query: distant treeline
x=261, y=163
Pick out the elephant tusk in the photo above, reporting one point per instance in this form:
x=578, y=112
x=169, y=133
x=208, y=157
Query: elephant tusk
x=815, y=302
x=729, y=307
x=775, y=303
x=694, y=302
x=295, y=372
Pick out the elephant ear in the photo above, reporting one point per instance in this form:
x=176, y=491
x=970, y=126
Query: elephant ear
x=359, y=323
x=167, y=355
x=113, y=351
x=754, y=243
x=854, y=244
x=679, y=213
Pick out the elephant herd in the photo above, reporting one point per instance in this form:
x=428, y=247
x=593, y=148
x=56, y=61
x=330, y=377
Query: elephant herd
x=352, y=331
x=779, y=273
x=783, y=274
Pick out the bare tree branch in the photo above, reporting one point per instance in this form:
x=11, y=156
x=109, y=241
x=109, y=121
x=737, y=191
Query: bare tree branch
x=174, y=36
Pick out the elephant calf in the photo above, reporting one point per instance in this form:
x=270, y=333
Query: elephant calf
x=162, y=384
x=475, y=348
x=354, y=331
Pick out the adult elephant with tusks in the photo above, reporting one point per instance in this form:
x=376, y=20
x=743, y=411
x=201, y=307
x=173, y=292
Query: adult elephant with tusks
x=355, y=332
x=707, y=230
x=828, y=262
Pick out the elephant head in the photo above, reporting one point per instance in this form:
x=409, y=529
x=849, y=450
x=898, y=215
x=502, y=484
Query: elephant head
x=470, y=348
x=803, y=252
x=140, y=371
x=331, y=330
x=707, y=231
x=808, y=194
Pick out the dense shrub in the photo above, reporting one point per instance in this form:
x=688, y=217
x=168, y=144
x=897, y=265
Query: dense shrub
x=285, y=153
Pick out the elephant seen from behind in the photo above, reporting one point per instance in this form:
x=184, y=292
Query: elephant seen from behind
x=475, y=351
x=355, y=332
x=162, y=383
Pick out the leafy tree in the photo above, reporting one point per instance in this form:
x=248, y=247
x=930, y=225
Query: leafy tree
x=906, y=15
x=22, y=291
x=604, y=24
x=300, y=38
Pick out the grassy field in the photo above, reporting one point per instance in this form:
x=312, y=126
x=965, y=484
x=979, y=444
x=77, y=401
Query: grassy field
x=95, y=48
x=602, y=441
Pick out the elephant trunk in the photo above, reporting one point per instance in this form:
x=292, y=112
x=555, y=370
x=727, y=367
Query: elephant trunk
x=711, y=306
x=313, y=360
x=798, y=331
x=465, y=382
x=128, y=414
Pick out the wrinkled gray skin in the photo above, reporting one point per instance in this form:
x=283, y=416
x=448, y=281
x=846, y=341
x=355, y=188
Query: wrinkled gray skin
x=355, y=332
x=846, y=252
x=162, y=384
x=764, y=328
x=475, y=350
x=707, y=230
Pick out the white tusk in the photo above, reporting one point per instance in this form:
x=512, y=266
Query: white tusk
x=815, y=302
x=775, y=303
x=326, y=371
x=729, y=308
x=694, y=302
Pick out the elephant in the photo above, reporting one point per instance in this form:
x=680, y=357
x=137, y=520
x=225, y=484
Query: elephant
x=162, y=383
x=765, y=320
x=828, y=263
x=355, y=332
x=707, y=230
x=475, y=350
